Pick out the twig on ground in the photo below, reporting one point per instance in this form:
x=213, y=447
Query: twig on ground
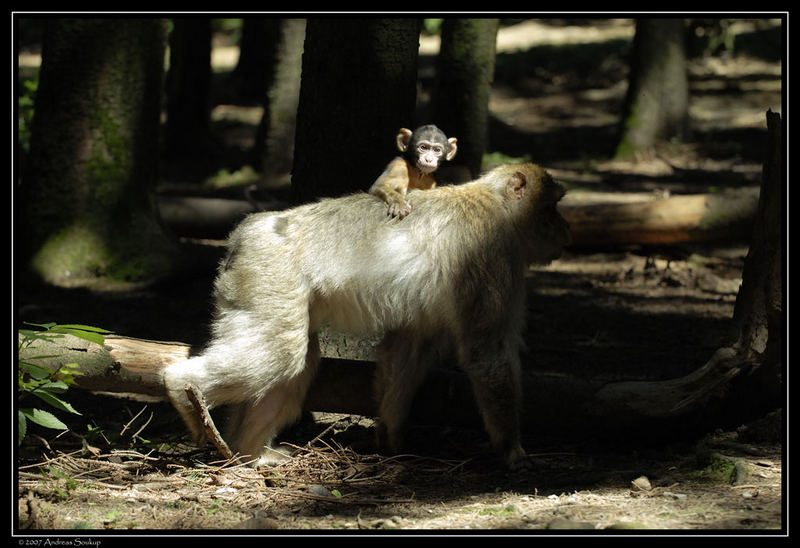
x=200, y=406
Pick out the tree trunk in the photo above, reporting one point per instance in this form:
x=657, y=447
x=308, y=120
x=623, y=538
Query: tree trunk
x=657, y=102
x=274, y=147
x=358, y=88
x=464, y=73
x=87, y=195
x=758, y=314
x=187, y=140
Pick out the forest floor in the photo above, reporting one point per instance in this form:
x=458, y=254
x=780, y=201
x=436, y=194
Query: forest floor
x=629, y=312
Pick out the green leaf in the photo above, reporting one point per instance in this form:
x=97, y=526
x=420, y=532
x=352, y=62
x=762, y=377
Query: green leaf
x=38, y=336
x=42, y=325
x=92, y=336
x=43, y=418
x=54, y=386
x=58, y=403
x=68, y=371
x=35, y=371
x=23, y=427
x=86, y=332
x=81, y=328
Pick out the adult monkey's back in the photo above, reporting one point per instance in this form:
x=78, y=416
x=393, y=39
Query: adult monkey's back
x=451, y=274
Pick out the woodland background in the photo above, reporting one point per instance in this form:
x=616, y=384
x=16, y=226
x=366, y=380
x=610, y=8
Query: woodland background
x=142, y=141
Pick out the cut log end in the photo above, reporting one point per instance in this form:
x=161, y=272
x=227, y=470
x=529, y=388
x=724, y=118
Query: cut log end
x=145, y=356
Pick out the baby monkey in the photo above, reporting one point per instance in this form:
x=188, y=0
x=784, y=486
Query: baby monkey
x=423, y=150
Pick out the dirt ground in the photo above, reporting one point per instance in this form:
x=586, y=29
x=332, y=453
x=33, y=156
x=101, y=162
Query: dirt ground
x=127, y=467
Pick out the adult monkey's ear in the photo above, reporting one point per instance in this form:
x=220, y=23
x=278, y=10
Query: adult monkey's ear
x=517, y=185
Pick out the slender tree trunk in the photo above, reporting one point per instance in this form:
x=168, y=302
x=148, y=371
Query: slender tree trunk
x=358, y=88
x=87, y=207
x=657, y=102
x=274, y=147
x=465, y=69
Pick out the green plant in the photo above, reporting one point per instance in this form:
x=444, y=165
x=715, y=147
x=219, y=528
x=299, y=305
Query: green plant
x=46, y=384
x=25, y=102
x=69, y=483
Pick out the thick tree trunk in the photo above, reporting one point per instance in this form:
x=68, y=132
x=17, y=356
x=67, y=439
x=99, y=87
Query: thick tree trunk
x=358, y=88
x=657, y=102
x=87, y=195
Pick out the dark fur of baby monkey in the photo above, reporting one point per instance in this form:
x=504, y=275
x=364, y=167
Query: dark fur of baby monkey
x=423, y=152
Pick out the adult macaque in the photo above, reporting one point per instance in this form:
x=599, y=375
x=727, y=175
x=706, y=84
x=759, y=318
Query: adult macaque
x=424, y=149
x=338, y=262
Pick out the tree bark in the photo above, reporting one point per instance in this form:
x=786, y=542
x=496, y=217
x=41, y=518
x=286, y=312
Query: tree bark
x=758, y=315
x=87, y=201
x=358, y=88
x=657, y=102
x=464, y=73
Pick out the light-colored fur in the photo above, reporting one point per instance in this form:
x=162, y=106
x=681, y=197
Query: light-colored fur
x=453, y=272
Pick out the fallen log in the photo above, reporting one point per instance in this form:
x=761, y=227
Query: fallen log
x=133, y=366
x=647, y=220
x=208, y=217
x=123, y=365
x=678, y=219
